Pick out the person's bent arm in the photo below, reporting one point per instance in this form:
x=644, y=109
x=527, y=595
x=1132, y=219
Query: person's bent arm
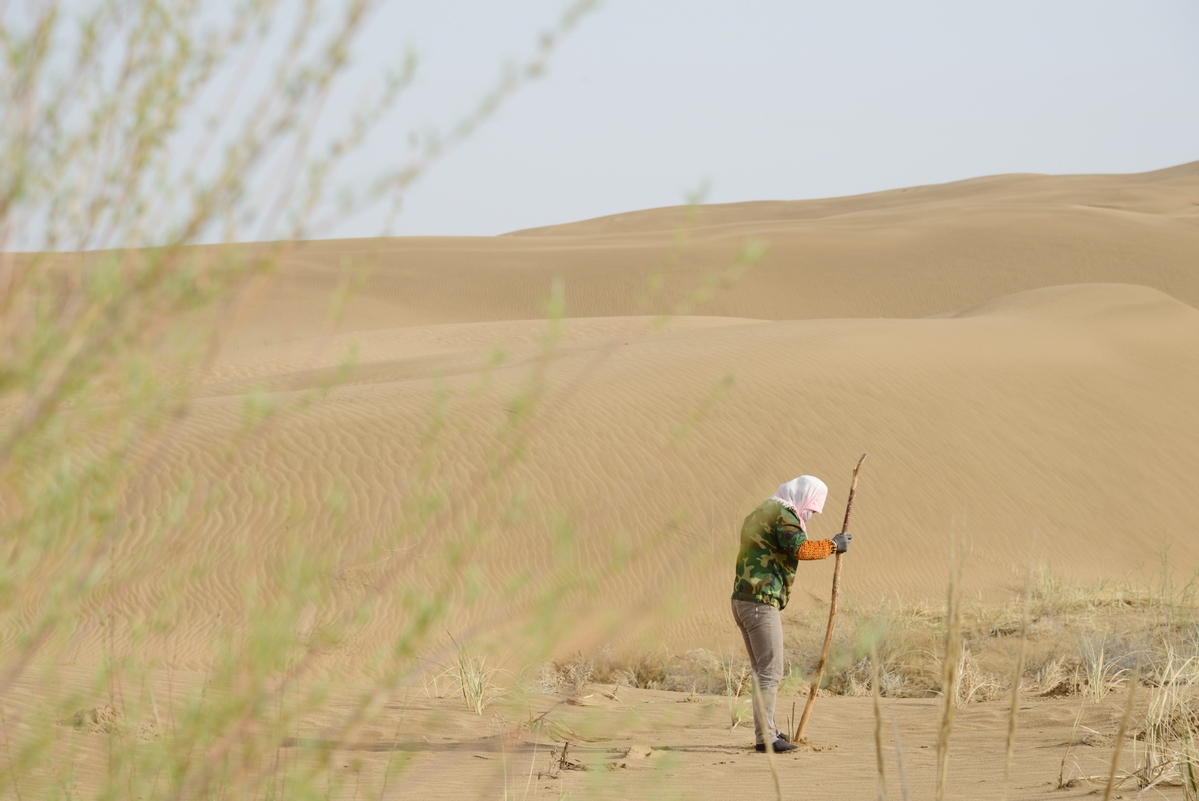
x=822, y=549
x=791, y=536
x=812, y=550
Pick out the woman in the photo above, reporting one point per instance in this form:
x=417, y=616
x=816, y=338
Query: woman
x=773, y=541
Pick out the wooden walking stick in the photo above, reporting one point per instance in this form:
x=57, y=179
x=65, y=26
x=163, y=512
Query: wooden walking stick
x=832, y=614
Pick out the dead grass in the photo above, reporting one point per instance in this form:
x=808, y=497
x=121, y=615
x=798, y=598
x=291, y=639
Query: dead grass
x=1078, y=639
x=1057, y=639
x=1168, y=733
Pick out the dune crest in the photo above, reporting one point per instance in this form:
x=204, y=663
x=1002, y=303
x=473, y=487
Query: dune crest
x=905, y=253
x=1078, y=301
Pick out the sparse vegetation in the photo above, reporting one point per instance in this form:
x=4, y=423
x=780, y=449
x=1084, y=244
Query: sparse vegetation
x=737, y=680
x=477, y=683
x=1061, y=639
x=1079, y=639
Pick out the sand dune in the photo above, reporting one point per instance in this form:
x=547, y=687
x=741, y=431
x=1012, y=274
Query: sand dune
x=905, y=253
x=1019, y=355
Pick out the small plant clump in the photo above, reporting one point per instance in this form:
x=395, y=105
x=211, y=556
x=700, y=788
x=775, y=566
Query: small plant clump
x=476, y=682
x=1169, y=729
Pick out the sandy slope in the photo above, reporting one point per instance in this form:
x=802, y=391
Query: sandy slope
x=1019, y=355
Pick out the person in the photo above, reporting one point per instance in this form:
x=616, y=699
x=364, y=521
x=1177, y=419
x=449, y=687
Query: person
x=773, y=541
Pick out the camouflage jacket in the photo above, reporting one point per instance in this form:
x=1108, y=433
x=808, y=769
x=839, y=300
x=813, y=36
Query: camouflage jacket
x=772, y=543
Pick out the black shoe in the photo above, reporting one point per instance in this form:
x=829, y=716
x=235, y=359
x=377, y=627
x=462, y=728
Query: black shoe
x=781, y=746
x=782, y=736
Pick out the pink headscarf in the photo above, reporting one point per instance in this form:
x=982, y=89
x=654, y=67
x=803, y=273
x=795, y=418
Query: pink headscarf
x=804, y=496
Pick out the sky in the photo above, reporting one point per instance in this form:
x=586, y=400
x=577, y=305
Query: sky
x=649, y=100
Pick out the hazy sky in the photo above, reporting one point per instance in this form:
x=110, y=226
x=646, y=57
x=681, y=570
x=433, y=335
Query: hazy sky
x=770, y=99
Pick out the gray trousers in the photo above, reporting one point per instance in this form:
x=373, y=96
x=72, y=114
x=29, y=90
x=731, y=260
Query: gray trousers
x=762, y=629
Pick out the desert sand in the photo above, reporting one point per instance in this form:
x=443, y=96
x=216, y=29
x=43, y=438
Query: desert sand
x=627, y=743
x=1018, y=355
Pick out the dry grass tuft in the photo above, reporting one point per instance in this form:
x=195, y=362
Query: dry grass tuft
x=1101, y=674
x=698, y=670
x=1055, y=678
x=476, y=681
x=568, y=677
x=738, y=679
x=974, y=683
x=1170, y=729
